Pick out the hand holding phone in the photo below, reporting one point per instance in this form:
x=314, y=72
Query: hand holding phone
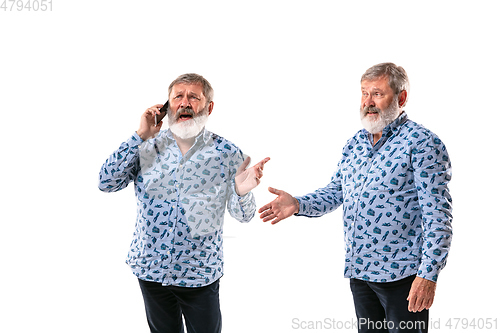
x=163, y=113
x=150, y=123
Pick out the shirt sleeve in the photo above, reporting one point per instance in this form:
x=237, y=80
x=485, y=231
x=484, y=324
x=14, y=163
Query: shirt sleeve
x=324, y=200
x=432, y=173
x=241, y=208
x=121, y=167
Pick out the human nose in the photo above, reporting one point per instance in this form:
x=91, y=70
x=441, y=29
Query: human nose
x=184, y=103
x=368, y=100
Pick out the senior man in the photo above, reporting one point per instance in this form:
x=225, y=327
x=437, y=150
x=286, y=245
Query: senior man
x=184, y=177
x=392, y=181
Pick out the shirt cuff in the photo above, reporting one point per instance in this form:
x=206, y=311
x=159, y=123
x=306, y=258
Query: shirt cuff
x=135, y=140
x=245, y=199
x=431, y=276
x=300, y=207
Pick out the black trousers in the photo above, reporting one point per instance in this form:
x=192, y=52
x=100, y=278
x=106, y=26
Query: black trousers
x=382, y=307
x=166, y=305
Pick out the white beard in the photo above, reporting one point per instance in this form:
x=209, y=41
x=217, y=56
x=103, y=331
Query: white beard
x=189, y=128
x=384, y=118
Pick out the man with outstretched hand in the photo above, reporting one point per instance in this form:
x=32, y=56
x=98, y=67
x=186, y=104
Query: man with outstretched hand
x=184, y=178
x=392, y=181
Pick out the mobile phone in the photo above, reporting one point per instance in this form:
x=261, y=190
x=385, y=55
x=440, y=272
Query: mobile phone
x=163, y=113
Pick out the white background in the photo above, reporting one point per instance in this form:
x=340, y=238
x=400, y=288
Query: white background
x=74, y=82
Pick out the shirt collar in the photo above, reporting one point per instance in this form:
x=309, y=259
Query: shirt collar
x=393, y=127
x=203, y=136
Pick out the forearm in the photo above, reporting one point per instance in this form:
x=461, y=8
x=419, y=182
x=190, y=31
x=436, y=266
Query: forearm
x=121, y=167
x=320, y=202
x=437, y=236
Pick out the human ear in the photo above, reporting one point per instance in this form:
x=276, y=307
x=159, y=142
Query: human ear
x=403, y=96
x=210, y=107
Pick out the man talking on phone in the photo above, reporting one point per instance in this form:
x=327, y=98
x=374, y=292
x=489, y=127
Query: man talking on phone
x=184, y=178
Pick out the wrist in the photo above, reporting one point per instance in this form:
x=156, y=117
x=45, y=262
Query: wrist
x=297, y=206
x=141, y=134
x=238, y=192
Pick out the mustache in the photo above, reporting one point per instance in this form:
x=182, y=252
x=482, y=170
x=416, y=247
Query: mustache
x=367, y=109
x=184, y=111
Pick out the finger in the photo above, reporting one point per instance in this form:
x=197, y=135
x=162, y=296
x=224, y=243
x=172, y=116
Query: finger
x=419, y=304
x=429, y=303
x=243, y=166
x=411, y=302
x=267, y=216
x=266, y=213
x=155, y=109
x=274, y=191
x=276, y=220
x=151, y=112
x=421, y=307
x=264, y=208
x=264, y=161
x=260, y=166
x=271, y=218
x=149, y=117
x=426, y=303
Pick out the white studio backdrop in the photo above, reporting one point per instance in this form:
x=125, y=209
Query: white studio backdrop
x=75, y=79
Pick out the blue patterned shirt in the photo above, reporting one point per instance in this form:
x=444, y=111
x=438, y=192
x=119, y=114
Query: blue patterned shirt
x=181, y=202
x=396, y=202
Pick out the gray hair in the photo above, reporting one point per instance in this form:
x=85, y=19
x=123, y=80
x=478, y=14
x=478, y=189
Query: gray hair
x=398, y=79
x=192, y=78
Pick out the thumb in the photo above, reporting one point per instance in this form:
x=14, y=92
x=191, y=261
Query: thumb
x=274, y=191
x=243, y=165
